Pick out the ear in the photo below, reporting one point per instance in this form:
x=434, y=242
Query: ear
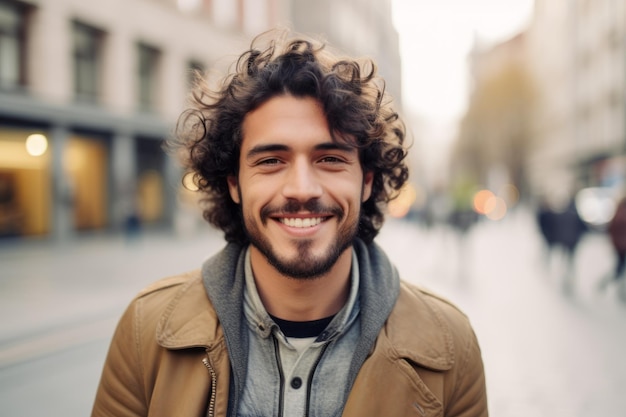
x=368, y=180
x=233, y=188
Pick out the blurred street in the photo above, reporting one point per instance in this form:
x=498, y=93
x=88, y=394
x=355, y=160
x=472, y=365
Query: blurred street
x=546, y=353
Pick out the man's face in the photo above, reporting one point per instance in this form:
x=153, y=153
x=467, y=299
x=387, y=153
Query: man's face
x=300, y=192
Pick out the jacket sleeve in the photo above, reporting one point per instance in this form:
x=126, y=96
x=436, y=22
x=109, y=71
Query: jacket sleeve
x=470, y=393
x=121, y=392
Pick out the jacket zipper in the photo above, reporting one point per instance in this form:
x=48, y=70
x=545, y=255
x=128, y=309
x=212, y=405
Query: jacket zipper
x=213, y=396
x=279, y=363
x=310, y=380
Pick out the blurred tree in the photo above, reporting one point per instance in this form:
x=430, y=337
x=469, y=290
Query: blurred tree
x=495, y=130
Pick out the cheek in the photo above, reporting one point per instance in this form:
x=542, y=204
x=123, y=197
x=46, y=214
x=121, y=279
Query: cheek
x=253, y=199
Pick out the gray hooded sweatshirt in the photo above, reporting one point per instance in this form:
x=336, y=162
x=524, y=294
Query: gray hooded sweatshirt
x=350, y=335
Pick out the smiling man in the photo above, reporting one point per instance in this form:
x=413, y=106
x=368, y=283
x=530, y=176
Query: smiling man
x=301, y=314
x=303, y=191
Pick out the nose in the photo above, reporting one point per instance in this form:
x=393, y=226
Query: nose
x=302, y=182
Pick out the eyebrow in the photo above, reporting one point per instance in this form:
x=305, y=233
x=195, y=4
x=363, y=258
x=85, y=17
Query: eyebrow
x=266, y=148
x=275, y=147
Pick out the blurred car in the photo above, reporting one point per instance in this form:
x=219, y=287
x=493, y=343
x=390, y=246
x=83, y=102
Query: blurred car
x=596, y=206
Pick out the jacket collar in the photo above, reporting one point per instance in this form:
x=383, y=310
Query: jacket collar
x=206, y=305
x=418, y=331
x=189, y=320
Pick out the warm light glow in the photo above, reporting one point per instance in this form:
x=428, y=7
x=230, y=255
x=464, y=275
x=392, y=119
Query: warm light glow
x=480, y=201
x=495, y=208
x=36, y=144
x=490, y=205
x=400, y=206
x=75, y=157
x=189, y=182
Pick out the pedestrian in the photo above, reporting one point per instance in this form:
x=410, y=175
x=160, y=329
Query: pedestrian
x=617, y=234
x=301, y=313
x=545, y=222
x=562, y=229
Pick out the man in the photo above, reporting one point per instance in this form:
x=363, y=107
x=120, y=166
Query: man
x=301, y=314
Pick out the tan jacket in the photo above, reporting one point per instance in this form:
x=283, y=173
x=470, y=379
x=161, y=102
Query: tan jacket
x=168, y=358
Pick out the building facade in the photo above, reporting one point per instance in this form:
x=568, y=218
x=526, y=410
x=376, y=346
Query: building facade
x=91, y=89
x=578, y=49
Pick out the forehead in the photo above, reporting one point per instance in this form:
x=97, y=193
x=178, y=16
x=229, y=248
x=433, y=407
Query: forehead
x=289, y=120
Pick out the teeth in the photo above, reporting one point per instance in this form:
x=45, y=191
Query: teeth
x=299, y=222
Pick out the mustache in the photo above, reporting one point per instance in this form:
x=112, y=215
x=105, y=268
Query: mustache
x=293, y=206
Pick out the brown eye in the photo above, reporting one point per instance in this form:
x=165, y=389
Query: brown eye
x=269, y=161
x=331, y=159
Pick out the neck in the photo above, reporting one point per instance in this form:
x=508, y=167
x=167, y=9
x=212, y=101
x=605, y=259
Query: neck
x=299, y=299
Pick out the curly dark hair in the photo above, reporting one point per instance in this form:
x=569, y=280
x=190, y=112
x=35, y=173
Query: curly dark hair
x=209, y=134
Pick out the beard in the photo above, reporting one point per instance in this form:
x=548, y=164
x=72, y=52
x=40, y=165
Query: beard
x=304, y=265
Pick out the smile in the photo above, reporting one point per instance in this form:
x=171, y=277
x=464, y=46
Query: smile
x=300, y=222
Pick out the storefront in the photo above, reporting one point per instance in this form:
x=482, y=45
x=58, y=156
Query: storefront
x=25, y=183
x=61, y=179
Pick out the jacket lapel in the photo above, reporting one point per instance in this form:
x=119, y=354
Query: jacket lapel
x=414, y=343
x=189, y=320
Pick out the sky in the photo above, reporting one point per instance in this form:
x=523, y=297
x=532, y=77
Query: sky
x=435, y=38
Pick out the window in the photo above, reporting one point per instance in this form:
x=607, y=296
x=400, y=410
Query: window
x=148, y=66
x=87, y=61
x=12, y=45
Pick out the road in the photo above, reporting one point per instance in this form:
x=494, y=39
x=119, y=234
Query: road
x=546, y=353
